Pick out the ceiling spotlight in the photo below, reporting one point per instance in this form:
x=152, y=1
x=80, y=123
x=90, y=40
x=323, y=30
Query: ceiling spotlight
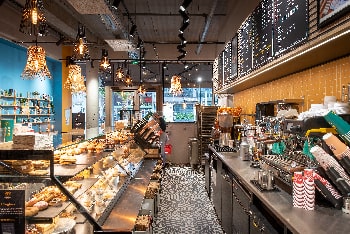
x=164, y=66
x=60, y=41
x=184, y=16
x=132, y=30
x=185, y=4
x=182, y=51
x=181, y=57
x=144, y=65
x=116, y=3
x=184, y=26
x=182, y=38
x=139, y=43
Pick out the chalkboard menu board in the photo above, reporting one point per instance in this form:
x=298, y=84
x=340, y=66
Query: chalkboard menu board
x=245, y=47
x=220, y=70
x=234, y=58
x=262, y=22
x=291, y=25
x=227, y=63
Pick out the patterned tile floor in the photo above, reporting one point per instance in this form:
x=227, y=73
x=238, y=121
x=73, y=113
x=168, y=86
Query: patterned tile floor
x=184, y=204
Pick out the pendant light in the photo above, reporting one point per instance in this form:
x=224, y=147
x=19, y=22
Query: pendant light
x=36, y=64
x=75, y=81
x=175, y=85
x=104, y=63
x=81, y=50
x=33, y=21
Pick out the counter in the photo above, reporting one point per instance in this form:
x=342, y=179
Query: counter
x=279, y=203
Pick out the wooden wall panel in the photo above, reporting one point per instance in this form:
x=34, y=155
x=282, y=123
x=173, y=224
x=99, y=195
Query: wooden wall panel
x=312, y=85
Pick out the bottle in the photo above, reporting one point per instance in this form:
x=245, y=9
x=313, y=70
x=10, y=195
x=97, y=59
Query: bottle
x=244, y=149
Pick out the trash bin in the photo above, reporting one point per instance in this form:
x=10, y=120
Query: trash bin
x=193, y=152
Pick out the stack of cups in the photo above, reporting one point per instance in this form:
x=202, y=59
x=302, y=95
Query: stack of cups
x=309, y=190
x=298, y=190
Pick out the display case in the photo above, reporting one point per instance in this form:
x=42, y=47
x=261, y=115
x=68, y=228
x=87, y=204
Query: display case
x=75, y=185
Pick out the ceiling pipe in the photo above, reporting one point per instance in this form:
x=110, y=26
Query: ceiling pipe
x=206, y=27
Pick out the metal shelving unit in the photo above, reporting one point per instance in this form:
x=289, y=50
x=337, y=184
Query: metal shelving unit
x=205, y=120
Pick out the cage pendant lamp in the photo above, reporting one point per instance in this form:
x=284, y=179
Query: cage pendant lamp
x=81, y=50
x=33, y=21
x=175, y=85
x=75, y=81
x=104, y=63
x=36, y=64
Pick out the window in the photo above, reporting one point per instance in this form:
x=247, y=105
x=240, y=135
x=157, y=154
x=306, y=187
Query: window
x=182, y=108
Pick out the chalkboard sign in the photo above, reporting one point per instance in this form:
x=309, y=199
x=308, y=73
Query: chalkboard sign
x=262, y=22
x=245, y=47
x=291, y=25
x=12, y=211
x=227, y=63
x=220, y=70
x=234, y=58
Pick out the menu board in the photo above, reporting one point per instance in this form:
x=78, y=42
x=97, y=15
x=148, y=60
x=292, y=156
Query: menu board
x=12, y=211
x=262, y=22
x=227, y=63
x=245, y=47
x=220, y=70
x=291, y=25
x=234, y=58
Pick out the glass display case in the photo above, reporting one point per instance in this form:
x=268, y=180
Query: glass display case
x=73, y=188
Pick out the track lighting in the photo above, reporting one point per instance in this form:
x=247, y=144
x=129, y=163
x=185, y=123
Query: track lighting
x=132, y=30
x=185, y=4
x=181, y=57
x=60, y=41
x=184, y=26
x=184, y=16
x=182, y=38
x=139, y=43
x=116, y=3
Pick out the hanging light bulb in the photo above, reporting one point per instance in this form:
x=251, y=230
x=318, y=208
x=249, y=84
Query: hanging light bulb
x=141, y=89
x=104, y=63
x=33, y=20
x=184, y=105
x=128, y=80
x=81, y=50
x=75, y=81
x=175, y=85
x=119, y=74
x=36, y=64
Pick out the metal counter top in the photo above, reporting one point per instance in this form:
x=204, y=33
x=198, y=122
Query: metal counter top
x=123, y=216
x=321, y=220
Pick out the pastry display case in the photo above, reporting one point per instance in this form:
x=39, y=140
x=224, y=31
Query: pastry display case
x=73, y=188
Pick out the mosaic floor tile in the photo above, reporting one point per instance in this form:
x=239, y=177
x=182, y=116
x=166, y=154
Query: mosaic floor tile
x=184, y=204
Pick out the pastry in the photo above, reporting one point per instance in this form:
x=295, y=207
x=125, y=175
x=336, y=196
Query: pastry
x=56, y=202
x=31, y=211
x=41, y=205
